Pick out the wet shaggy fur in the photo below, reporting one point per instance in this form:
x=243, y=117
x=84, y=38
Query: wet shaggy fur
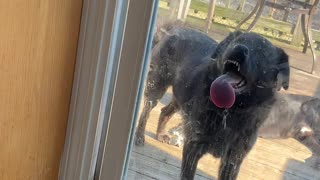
x=292, y=116
x=189, y=61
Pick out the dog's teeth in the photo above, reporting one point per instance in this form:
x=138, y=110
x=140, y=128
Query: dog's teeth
x=234, y=63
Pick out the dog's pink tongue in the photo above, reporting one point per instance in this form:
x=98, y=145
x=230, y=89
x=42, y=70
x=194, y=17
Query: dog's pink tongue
x=222, y=93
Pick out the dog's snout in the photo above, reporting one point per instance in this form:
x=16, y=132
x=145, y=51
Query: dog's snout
x=241, y=49
x=239, y=53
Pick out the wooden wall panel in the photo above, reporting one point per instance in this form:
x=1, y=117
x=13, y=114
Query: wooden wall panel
x=38, y=43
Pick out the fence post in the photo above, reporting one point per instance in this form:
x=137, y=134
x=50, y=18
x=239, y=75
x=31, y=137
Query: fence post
x=185, y=10
x=297, y=33
x=228, y=4
x=242, y=3
x=212, y=5
x=180, y=9
x=271, y=10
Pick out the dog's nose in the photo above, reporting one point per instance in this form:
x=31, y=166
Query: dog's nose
x=240, y=52
x=242, y=48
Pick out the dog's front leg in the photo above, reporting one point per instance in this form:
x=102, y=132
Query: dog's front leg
x=192, y=152
x=166, y=113
x=148, y=106
x=233, y=156
x=230, y=165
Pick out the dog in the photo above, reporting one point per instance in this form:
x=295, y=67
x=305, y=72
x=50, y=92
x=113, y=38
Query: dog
x=190, y=61
x=291, y=118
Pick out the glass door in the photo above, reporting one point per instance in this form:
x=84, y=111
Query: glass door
x=179, y=122
x=209, y=89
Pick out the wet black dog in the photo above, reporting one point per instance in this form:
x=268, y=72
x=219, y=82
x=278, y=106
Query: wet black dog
x=190, y=61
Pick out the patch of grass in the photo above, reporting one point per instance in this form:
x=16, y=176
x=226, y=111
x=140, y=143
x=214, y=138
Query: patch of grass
x=267, y=23
x=316, y=35
x=199, y=5
x=201, y=25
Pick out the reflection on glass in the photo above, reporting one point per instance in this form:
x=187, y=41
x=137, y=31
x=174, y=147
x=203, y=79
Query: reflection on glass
x=229, y=104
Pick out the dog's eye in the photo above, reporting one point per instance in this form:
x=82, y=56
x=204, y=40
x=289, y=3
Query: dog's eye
x=270, y=75
x=263, y=84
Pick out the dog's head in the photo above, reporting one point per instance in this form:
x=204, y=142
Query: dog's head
x=311, y=111
x=254, y=61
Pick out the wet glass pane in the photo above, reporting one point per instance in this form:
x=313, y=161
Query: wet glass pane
x=232, y=92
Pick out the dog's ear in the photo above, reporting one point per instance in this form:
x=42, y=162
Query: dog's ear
x=283, y=76
x=304, y=107
x=222, y=46
x=310, y=109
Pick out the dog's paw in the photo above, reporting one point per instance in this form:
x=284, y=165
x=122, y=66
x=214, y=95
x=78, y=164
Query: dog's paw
x=164, y=138
x=139, y=139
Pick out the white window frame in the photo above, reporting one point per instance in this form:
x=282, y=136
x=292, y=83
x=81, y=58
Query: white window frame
x=108, y=84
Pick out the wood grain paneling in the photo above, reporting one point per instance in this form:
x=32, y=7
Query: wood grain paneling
x=38, y=43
